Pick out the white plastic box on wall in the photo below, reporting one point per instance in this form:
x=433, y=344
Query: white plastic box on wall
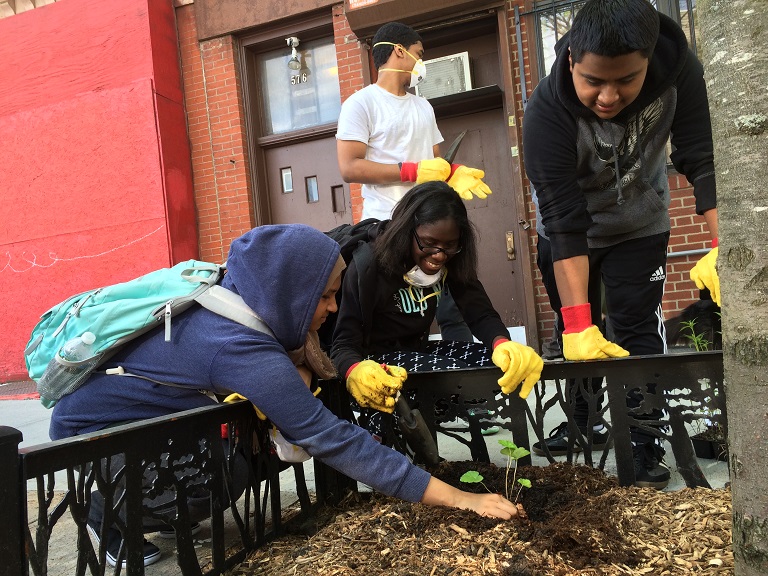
x=446, y=75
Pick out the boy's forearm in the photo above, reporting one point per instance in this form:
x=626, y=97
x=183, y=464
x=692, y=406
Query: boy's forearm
x=363, y=171
x=711, y=218
x=572, y=277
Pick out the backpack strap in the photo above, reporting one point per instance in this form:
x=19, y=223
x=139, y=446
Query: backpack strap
x=226, y=303
x=223, y=302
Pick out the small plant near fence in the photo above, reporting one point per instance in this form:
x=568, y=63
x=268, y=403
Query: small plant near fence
x=513, y=453
x=697, y=340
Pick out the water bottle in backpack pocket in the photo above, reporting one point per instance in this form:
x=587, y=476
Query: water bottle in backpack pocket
x=68, y=369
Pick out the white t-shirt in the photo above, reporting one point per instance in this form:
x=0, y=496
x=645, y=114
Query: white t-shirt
x=395, y=129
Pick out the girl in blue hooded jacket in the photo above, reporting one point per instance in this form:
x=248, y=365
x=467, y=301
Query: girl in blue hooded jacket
x=289, y=276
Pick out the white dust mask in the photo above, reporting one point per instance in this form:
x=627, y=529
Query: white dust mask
x=419, y=71
x=417, y=277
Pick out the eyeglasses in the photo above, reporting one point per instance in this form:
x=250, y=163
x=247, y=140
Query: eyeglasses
x=427, y=249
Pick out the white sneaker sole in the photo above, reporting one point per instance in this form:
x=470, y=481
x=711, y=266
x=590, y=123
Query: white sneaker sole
x=149, y=559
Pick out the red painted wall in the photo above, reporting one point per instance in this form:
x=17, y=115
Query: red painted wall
x=217, y=133
x=95, y=171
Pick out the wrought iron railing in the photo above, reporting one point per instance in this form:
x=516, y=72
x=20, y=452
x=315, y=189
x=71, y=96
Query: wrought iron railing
x=177, y=469
x=689, y=395
x=169, y=471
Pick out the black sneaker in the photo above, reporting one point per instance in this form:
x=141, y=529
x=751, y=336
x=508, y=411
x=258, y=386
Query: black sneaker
x=650, y=470
x=558, y=441
x=151, y=552
x=169, y=532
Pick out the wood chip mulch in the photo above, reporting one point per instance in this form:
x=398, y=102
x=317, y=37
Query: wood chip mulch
x=579, y=522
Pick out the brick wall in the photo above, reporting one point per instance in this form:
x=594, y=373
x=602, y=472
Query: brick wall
x=217, y=134
x=213, y=97
x=689, y=232
x=349, y=58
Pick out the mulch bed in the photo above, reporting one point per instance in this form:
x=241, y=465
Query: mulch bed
x=578, y=521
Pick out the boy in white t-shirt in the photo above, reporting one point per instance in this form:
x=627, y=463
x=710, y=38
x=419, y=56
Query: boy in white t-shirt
x=388, y=140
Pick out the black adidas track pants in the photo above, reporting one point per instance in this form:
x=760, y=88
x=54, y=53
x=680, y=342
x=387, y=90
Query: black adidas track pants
x=633, y=273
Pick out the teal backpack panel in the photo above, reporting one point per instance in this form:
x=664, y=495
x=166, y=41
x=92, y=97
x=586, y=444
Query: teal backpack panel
x=119, y=313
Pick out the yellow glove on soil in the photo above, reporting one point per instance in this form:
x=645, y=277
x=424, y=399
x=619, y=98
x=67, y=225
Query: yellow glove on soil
x=467, y=181
x=704, y=274
x=425, y=171
x=520, y=364
x=374, y=386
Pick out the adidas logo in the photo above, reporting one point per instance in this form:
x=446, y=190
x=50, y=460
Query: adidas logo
x=658, y=275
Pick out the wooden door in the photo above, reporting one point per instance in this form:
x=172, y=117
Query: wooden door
x=305, y=185
x=495, y=218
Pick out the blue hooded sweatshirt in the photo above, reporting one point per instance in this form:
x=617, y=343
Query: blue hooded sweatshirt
x=281, y=272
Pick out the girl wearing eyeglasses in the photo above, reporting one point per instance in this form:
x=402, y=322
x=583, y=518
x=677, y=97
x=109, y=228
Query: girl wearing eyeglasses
x=388, y=306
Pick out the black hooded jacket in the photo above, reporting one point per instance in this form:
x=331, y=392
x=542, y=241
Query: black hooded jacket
x=600, y=182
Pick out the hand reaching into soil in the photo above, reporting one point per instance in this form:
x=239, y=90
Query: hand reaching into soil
x=438, y=493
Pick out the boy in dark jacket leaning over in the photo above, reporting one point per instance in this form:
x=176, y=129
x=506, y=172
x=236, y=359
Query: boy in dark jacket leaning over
x=594, y=135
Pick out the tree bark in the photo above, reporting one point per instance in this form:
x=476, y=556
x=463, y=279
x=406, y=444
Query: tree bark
x=734, y=39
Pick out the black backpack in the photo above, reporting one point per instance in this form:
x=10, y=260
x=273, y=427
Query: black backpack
x=354, y=241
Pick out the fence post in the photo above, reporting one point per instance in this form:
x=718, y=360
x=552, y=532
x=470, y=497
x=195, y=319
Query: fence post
x=13, y=507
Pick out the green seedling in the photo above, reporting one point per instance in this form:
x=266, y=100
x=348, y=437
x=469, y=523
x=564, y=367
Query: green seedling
x=700, y=343
x=524, y=483
x=473, y=477
x=513, y=452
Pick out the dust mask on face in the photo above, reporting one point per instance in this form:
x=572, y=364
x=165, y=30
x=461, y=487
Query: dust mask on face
x=419, y=71
x=417, y=277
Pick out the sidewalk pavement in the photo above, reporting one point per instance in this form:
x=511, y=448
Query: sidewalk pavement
x=32, y=419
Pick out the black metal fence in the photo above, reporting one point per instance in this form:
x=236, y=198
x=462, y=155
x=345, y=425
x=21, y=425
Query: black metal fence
x=170, y=472
x=689, y=397
x=177, y=469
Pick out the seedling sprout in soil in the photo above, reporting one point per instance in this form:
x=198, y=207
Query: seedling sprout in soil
x=512, y=452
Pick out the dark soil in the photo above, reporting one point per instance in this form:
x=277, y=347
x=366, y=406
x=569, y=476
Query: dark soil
x=576, y=521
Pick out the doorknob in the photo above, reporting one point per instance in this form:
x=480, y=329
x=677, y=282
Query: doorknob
x=510, y=246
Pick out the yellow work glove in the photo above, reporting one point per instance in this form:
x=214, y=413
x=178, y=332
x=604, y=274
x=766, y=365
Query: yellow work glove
x=374, y=385
x=582, y=340
x=235, y=397
x=520, y=364
x=425, y=171
x=704, y=274
x=467, y=181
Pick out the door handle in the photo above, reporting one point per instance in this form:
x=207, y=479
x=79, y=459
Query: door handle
x=510, y=246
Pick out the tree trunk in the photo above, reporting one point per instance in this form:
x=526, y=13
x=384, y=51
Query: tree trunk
x=734, y=39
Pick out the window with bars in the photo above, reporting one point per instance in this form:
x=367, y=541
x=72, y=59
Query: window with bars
x=554, y=18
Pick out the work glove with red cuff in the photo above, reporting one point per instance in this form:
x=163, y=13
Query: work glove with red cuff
x=468, y=181
x=704, y=274
x=582, y=340
x=425, y=171
x=375, y=385
x=519, y=363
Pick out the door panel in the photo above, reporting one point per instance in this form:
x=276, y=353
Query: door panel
x=307, y=160
x=485, y=147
